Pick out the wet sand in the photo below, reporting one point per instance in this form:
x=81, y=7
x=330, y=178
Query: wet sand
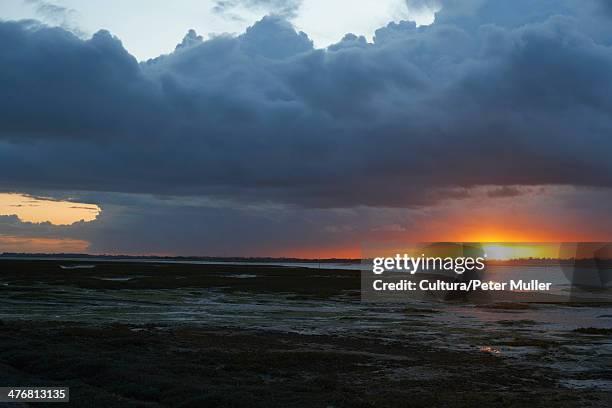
x=286, y=355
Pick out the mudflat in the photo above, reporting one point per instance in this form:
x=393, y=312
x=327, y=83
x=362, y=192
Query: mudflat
x=139, y=334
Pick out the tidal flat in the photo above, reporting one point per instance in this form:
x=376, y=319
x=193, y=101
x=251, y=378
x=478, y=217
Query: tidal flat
x=158, y=334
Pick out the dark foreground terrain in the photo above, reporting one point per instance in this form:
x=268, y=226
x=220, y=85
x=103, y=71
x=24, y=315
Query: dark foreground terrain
x=114, y=362
x=195, y=367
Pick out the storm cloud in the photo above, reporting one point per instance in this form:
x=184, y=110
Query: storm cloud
x=487, y=95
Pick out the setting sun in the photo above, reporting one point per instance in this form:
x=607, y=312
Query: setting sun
x=507, y=251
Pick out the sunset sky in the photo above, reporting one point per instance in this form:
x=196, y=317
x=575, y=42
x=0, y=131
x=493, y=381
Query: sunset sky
x=304, y=127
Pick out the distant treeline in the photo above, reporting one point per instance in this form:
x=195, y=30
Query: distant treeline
x=595, y=262
x=175, y=258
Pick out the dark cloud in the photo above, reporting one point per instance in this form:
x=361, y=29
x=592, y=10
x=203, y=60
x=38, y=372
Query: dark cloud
x=188, y=228
x=143, y=224
x=478, y=98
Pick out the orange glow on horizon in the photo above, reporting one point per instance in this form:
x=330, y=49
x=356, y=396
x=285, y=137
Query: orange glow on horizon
x=530, y=218
x=42, y=245
x=513, y=236
x=499, y=245
x=320, y=253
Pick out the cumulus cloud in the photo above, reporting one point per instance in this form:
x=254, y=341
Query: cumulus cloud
x=487, y=95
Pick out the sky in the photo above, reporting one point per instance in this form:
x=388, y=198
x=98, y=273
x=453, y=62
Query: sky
x=148, y=28
x=302, y=128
